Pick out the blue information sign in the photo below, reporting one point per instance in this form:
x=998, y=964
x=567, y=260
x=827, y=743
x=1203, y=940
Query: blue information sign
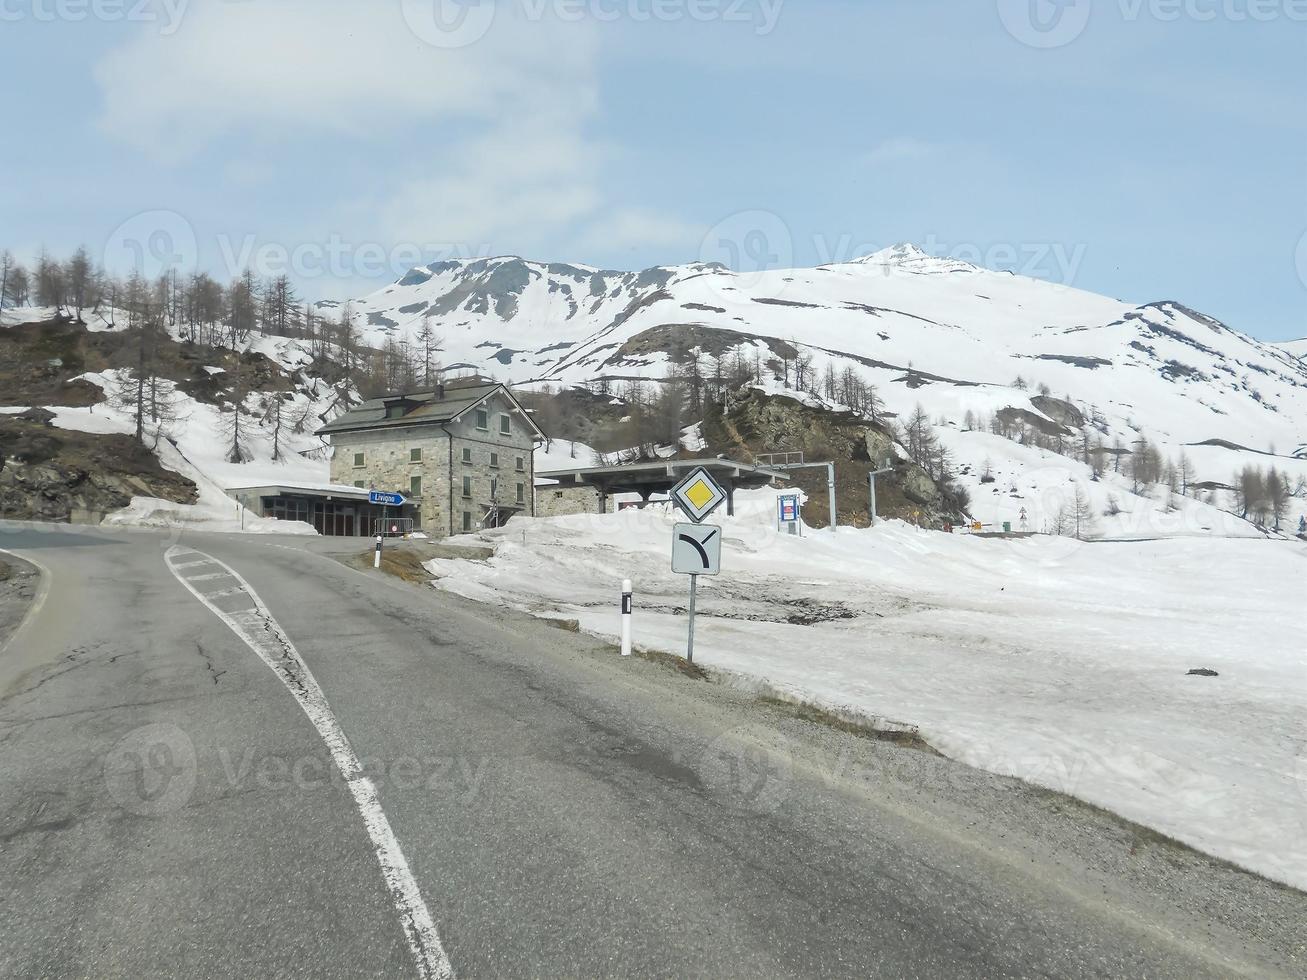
x=789, y=505
x=386, y=499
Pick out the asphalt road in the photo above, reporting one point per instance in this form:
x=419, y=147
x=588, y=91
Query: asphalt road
x=167, y=808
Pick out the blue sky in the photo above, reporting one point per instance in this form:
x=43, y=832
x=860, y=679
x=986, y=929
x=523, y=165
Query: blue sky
x=1144, y=149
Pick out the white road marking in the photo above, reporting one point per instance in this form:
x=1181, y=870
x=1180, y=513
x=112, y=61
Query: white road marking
x=192, y=564
x=262, y=634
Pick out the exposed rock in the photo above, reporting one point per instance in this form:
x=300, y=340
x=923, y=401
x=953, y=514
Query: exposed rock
x=1060, y=410
x=754, y=423
x=54, y=474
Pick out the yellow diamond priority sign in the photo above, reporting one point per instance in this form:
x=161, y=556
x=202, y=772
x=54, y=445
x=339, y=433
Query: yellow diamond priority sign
x=698, y=495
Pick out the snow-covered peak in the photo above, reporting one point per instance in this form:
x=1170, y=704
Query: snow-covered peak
x=898, y=254
x=906, y=257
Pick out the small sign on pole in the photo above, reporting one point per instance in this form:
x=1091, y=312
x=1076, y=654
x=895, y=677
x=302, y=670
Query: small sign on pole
x=698, y=495
x=627, y=603
x=696, y=550
x=386, y=499
x=790, y=506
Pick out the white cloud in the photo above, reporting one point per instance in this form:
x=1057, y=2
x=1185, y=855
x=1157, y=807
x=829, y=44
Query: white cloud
x=486, y=143
x=344, y=69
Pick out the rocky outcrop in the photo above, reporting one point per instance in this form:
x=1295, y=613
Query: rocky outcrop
x=50, y=474
x=755, y=423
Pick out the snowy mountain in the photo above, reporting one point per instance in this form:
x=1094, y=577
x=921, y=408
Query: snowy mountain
x=941, y=333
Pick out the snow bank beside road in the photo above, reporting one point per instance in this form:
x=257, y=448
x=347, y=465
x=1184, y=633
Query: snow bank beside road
x=1064, y=664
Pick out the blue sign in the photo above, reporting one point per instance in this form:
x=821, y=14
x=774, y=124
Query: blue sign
x=386, y=499
x=789, y=505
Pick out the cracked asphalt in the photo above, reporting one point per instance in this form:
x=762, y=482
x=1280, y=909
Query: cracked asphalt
x=166, y=808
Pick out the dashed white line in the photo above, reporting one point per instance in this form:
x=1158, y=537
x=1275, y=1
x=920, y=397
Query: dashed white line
x=261, y=633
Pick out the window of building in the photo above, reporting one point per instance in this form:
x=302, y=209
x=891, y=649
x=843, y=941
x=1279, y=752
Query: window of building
x=358, y=459
x=359, y=484
x=467, y=486
x=415, y=455
x=521, y=493
x=505, y=425
x=483, y=419
x=415, y=486
x=394, y=411
x=521, y=464
x=467, y=521
x=467, y=454
x=494, y=461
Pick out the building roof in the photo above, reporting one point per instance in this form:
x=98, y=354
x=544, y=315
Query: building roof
x=662, y=475
x=325, y=490
x=438, y=406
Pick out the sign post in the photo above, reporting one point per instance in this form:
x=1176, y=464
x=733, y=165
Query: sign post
x=696, y=547
x=626, y=617
x=871, y=480
x=385, y=500
x=790, y=506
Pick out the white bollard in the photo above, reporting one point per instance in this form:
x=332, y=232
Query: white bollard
x=626, y=617
x=376, y=560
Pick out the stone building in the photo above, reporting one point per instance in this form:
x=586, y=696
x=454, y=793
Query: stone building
x=462, y=454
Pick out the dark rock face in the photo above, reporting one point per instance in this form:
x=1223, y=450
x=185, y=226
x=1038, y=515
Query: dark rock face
x=1062, y=411
x=754, y=422
x=50, y=474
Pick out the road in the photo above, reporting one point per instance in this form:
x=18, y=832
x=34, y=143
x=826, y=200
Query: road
x=171, y=804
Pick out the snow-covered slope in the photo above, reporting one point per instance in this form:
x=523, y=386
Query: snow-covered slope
x=942, y=333
x=1061, y=663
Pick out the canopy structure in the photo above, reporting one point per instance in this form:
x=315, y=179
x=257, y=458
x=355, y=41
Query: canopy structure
x=661, y=476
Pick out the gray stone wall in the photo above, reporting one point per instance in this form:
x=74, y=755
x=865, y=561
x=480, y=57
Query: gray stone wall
x=559, y=502
x=490, y=453
x=483, y=454
x=388, y=465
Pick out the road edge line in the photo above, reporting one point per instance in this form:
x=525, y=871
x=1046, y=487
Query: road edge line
x=415, y=918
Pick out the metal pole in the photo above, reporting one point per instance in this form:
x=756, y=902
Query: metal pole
x=694, y=587
x=872, y=477
x=830, y=486
x=626, y=617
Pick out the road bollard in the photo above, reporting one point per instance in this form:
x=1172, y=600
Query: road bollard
x=376, y=560
x=626, y=617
